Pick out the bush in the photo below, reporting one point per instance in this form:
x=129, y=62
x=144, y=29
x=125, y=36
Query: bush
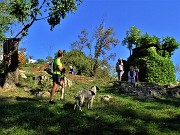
x=79, y=61
x=153, y=67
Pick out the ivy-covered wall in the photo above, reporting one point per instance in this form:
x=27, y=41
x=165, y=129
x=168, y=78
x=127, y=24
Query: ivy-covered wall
x=153, y=67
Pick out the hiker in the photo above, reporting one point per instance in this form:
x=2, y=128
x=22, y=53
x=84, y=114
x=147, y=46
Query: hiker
x=131, y=76
x=72, y=70
x=136, y=69
x=119, y=68
x=58, y=77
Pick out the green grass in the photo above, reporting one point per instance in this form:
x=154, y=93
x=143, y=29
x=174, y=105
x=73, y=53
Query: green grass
x=21, y=114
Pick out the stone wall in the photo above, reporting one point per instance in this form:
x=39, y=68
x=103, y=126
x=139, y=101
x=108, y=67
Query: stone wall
x=147, y=90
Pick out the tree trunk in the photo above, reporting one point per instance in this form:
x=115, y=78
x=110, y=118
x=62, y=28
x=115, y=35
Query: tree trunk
x=10, y=48
x=95, y=66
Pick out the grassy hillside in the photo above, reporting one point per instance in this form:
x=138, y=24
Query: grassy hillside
x=25, y=114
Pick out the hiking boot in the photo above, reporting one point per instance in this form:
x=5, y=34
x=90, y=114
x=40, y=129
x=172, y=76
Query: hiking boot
x=61, y=99
x=51, y=102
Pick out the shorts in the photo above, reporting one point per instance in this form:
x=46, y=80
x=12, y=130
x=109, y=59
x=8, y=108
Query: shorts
x=119, y=72
x=57, y=78
x=131, y=80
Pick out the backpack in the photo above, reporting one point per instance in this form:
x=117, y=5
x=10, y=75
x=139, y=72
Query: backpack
x=50, y=68
x=117, y=66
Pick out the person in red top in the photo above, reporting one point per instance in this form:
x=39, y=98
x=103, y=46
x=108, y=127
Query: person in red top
x=136, y=69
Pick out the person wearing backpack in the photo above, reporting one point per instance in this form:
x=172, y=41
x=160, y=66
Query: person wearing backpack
x=58, y=77
x=119, y=68
x=131, y=76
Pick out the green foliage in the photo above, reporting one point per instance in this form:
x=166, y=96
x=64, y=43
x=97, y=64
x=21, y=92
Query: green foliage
x=79, y=61
x=153, y=67
x=146, y=40
x=132, y=38
x=59, y=9
x=40, y=61
x=165, y=46
x=20, y=9
x=169, y=45
x=152, y=54
x=23, y=13
x=5, y=19
x=83, y=64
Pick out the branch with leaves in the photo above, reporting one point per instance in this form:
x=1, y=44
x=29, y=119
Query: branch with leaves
x=25, y=13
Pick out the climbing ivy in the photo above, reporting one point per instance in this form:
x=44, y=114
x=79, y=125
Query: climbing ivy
x=153, y=67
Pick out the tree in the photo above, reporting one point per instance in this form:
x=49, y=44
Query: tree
x=83, y=41
x=132, y=38
x=164, y=46
x=79, y=61
x=49, y=58
x=147, y=40
x=105, y=40
x=40, y=61
x=169, y=45
x=99, y=45
x=6, y=19
x=28, y=12
x=24, y=13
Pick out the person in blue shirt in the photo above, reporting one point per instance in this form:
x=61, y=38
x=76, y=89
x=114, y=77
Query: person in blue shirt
x=72, y=70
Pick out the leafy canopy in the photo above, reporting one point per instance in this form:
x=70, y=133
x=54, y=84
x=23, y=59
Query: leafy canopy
x=25, y=12
x=165, y=46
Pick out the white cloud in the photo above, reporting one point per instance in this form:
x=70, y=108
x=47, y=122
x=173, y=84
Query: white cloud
x=32, y=61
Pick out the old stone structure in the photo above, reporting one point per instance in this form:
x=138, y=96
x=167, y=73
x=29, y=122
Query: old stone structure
x=147, y=90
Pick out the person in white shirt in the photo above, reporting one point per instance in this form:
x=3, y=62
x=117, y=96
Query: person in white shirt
x=119, y=68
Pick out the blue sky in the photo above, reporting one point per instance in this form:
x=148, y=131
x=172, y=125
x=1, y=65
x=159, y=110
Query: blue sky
x=156, y=17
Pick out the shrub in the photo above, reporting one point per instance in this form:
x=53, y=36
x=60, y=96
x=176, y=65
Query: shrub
x=79, y=61
x=153, y=67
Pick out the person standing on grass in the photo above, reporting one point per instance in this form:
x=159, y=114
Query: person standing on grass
x=136, y=69
x=58, y=77
x=119, y=68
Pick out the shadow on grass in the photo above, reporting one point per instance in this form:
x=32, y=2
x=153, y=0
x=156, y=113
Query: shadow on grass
x=112, y=89
x=37, y=117
x=169, y=101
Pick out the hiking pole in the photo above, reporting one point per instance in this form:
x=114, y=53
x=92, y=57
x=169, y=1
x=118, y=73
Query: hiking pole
x=64, y=92
x=63, y=88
